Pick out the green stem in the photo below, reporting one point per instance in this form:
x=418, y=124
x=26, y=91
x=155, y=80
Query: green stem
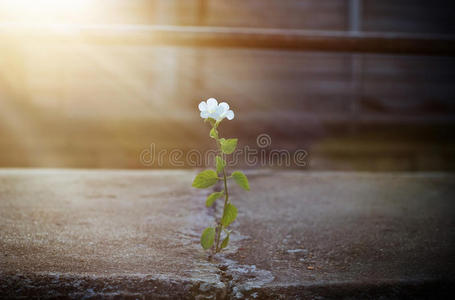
x=226, y=200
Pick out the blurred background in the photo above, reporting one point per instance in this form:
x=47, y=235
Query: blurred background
x=84, y=85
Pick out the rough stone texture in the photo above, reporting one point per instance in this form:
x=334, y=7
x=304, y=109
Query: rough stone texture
x=89, y=234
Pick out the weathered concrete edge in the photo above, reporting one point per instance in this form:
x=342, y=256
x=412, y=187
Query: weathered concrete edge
x=78, y=286
x=386, y=289
x=51, y=285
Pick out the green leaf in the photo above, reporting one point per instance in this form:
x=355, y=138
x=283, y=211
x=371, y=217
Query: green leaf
x=225, y=242
x=212, y=197
x=213, y=133
x=220, y=164
x=207, y=238
x=230, y=213
x=241, y=180
x=205, y=179
x=228, y=146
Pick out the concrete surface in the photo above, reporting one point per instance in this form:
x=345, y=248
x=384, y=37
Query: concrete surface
x=135, y=234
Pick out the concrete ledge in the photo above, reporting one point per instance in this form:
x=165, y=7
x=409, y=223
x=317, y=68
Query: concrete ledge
x=133, y=234
x=139, y=287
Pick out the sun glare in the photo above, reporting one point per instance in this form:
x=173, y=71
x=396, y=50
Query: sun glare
x=46, y=11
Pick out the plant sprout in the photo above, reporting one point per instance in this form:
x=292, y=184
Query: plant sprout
x=217, y=238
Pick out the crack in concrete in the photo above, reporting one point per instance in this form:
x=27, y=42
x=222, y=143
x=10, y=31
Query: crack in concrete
x=232, y=280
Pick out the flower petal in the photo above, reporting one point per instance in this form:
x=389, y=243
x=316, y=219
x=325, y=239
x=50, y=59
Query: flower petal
x=230, y=115
x=224, y=105
x=212, y=104
x=204, y=114
x=202, y=106
x=220, y=111
x=215, y=115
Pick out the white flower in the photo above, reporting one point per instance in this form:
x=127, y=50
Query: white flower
x=211, y=109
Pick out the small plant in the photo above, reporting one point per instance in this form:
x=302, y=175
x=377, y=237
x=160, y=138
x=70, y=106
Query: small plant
x=216, y=238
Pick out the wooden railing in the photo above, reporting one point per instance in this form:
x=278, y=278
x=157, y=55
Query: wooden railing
x=297, y=40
